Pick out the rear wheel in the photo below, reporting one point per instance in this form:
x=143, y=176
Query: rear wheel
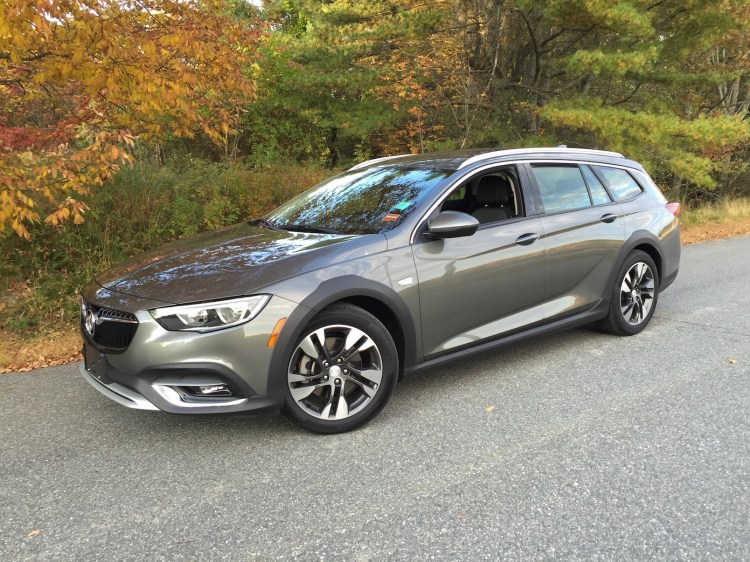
x=634, y=296
x=341, y=372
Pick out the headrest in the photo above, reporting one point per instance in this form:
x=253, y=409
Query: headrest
x=493, y=191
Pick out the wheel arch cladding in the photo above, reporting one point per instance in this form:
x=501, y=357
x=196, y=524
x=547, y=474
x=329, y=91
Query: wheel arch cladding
x=655, y=254
x=379, y=300
x=639, y=240
x=646, y=242
x=387, y=317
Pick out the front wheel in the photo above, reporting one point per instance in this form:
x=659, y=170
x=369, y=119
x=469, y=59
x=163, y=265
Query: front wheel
x=634, y=296
x=341, y=372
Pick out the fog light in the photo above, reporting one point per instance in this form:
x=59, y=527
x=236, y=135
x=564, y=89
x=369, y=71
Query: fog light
x=214, y=389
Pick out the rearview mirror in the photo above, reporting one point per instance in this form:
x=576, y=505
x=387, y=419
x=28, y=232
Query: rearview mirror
x=451, y=224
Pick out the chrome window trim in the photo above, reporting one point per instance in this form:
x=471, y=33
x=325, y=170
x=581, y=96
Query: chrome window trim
x=579, y=162
x=488, y=166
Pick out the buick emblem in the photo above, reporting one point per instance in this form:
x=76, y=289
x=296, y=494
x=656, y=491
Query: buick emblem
x=89, y=321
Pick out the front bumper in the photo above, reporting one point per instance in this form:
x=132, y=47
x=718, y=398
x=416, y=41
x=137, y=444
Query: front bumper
x=159, y=400
x=121, y=394
x=164, y=370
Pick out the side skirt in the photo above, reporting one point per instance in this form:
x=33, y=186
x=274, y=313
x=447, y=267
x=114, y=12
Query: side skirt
x=588, y=317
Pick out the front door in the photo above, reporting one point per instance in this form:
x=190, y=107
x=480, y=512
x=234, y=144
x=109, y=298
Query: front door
x=481, y=286
x=486, y=285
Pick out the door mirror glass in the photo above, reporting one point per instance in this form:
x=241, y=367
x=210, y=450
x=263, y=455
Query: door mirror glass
x=451, y=224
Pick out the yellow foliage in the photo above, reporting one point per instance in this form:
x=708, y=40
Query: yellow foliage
x=79, y=82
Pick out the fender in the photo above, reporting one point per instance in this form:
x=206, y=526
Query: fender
x=327, y=293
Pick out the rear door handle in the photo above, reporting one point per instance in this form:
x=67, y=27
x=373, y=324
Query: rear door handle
x=609, y=217
x=526, y=239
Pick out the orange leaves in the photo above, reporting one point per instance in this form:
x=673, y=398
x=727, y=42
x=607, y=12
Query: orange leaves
x=69, y=207
x=404, y=88
x=79, y=82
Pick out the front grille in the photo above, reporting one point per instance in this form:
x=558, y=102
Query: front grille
x=113, y=330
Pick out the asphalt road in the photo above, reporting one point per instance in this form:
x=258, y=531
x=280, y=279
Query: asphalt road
x=595, y=447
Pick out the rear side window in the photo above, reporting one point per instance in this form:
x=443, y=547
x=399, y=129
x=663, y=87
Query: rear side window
x=621, y=184
x=562, y=188
x=598, y=193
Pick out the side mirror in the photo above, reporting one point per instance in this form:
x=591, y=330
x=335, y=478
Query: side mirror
x=451, y=224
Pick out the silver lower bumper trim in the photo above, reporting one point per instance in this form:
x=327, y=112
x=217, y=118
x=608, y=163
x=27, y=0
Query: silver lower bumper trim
x=123, y=396
x=173, y=397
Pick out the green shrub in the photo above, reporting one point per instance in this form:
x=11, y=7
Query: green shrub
x=143, y=207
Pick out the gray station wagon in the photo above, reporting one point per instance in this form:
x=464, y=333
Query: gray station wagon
x=390, y=268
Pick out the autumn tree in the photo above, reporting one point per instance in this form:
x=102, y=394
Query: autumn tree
x=80, y=80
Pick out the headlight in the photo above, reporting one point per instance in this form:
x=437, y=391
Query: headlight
x=210, y=316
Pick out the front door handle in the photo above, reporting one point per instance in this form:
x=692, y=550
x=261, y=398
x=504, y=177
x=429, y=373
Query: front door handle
x=526, y=239
x=609, y=217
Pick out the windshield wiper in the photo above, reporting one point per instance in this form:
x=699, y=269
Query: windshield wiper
x=307, y=228
x=266, y=224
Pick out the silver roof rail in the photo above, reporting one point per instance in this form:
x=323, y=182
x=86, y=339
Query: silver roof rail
x=521, y=151
x=376, y=160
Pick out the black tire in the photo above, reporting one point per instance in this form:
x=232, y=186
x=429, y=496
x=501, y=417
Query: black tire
x=364, y=375
x=634, y=296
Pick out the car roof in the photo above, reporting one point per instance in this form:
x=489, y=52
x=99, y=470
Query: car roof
x=460, y=159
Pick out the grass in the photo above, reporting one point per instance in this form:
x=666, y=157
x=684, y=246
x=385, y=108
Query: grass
x=723, y=210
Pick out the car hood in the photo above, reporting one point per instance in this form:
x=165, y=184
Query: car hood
x=229, y=262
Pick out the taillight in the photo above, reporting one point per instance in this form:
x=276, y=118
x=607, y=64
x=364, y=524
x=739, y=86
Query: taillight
x=674, y=208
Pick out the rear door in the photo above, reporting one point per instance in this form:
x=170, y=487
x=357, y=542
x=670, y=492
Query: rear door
x=584, y=233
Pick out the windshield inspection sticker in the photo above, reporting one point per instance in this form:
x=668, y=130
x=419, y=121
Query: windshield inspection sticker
x=390, y=217
x=401, y=206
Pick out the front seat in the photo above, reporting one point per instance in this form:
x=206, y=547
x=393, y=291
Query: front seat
x=493, y=197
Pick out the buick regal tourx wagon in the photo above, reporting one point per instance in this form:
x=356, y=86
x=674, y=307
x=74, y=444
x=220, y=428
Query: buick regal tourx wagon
x=396, y=265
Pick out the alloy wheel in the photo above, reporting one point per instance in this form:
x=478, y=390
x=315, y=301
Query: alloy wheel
x=335, y=371
x=637, y=293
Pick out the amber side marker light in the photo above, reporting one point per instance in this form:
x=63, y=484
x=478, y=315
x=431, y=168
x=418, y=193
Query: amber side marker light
x=276, y=331
x=673, y=208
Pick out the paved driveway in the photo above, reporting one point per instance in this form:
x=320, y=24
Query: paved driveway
x=579, y=445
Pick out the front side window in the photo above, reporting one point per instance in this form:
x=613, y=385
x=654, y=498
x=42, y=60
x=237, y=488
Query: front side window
x=360, y=201
x=458, y=194
x=621, y=184
x=562, y=187
x=489, y=197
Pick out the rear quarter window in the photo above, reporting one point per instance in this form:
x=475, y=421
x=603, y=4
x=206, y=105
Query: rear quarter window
x=621, y=184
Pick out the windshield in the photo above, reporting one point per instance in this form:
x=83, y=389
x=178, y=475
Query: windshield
x=358, y=202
